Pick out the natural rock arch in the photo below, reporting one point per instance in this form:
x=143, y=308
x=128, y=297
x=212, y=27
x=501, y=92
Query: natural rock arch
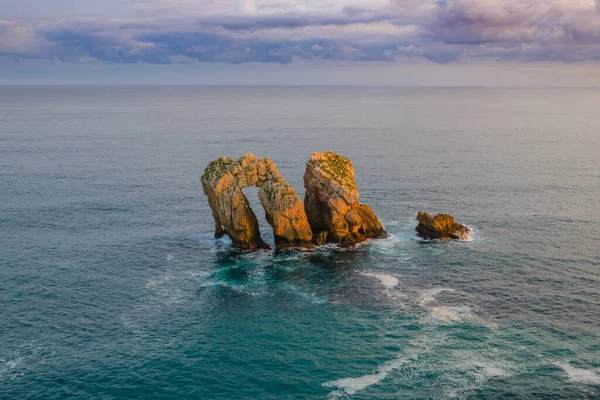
x=222, y=183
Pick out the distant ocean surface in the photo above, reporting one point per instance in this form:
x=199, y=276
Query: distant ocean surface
x=112, y=286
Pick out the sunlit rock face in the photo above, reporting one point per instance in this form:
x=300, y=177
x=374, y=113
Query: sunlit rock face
x=222, y=183
x=441, y=227
x=331, y=202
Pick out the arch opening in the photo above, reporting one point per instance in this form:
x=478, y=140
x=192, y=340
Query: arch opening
x=264, y=228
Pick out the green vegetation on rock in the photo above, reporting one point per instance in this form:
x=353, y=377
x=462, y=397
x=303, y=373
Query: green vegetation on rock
x=338, y=167
x=218, y=168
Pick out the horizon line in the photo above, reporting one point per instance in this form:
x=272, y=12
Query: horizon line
x=199, y=85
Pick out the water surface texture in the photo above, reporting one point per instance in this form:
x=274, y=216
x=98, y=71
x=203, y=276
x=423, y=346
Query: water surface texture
x=112, y=286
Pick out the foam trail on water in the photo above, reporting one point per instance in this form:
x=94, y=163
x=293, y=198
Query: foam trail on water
x=490, y=371
x=580, y=374
x=350, y=386
x=447, y=314
x=242, y=289
x=471, y=372
x=310, y=297
x=428, y=296
x=389, y=282
x=388, y=245
x=460, y=368
x=353, y=385
x=418, y=345
x=162, y=291
x=386, y=280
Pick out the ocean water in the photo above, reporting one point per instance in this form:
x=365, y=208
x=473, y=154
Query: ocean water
x=112, y=286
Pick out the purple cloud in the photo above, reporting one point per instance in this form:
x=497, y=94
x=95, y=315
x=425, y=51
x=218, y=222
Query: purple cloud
x=439, y=31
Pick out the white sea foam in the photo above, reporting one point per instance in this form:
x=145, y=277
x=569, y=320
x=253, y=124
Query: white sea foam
x=445, y=314
x=474, y=234
x=162, y=291
x=155, y=283
x=208, y=239
x=353, y=385
x=392, y=222
x=396, y=295
x=386, y=245
x=350, y=386
x=463, y=368
x=386, y=280
x=238, y=288
x=580, y=375
x=466, y=377
x=428, y=296
x=161, y=285
x=309, y=297
x=490, y=370
x=470, y=236
x=14, y=363
x=405, y=257
x=448, y=313
x=8, y=368
x=460, y=369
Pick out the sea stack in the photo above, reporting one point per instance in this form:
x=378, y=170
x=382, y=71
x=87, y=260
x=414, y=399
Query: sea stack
x=331, y=202
x=441, y=227
x=222, y=183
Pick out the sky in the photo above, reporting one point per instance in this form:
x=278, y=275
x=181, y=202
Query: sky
x=374, y=42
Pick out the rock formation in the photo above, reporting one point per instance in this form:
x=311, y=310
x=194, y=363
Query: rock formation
x=331, y=202
x=222, y=183
x=442, y=226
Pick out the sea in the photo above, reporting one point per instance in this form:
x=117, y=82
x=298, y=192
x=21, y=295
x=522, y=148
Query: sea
x=113, y=287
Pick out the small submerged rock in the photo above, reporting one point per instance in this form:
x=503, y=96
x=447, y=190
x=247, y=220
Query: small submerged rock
x=442, y=227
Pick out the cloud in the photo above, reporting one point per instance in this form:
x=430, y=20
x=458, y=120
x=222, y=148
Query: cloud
x=440, y=31
x=19, y=39
x=554, y=30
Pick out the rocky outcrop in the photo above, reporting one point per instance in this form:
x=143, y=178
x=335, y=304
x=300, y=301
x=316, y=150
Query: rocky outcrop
x=331, y=202
x=442, y=227
x=222, y=183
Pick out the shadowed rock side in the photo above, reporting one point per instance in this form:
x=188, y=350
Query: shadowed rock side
x=331, y=202
x=222, y=183
x=442, y=226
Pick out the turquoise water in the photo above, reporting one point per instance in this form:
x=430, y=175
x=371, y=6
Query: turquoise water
x=113, y=287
